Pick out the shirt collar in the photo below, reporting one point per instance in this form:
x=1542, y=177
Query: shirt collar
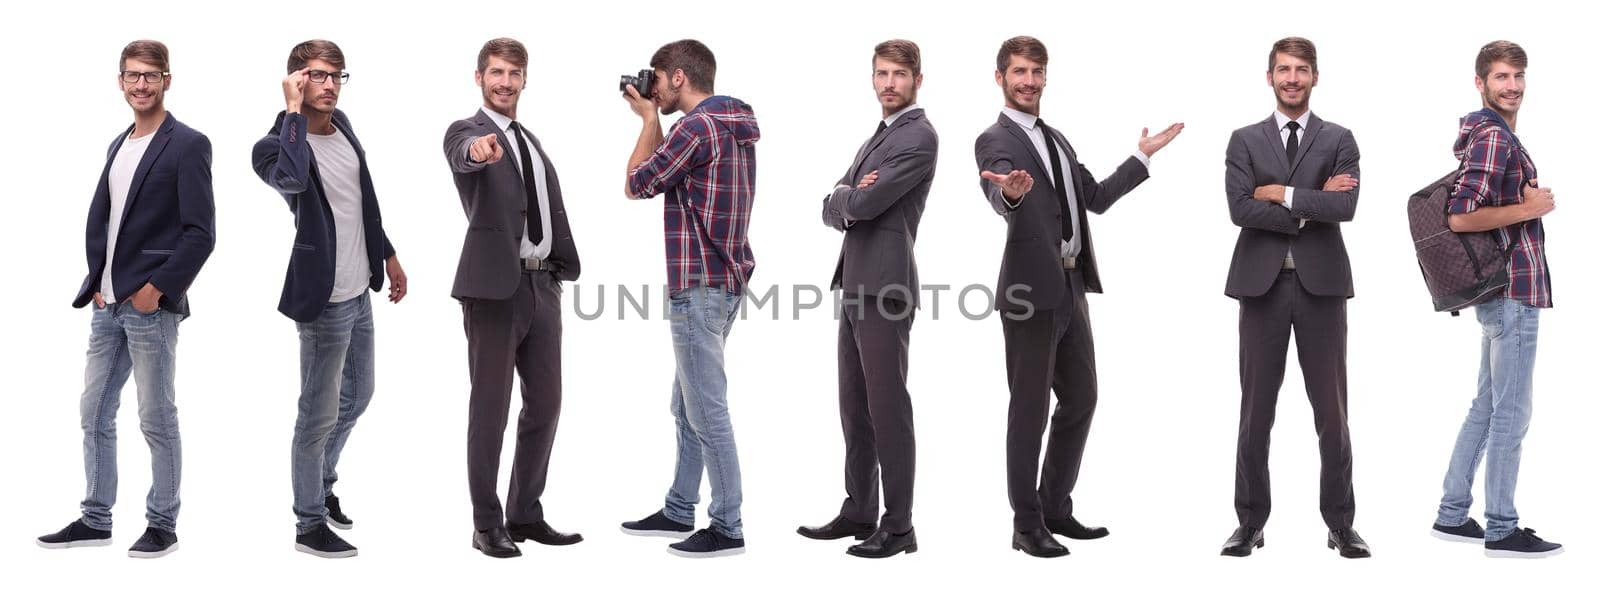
x=499, y=119
x=889, y=121
x=1026, y=120
x=1283, y=120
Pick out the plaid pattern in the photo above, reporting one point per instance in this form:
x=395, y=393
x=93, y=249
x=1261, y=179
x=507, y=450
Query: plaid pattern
x=707, y=167
x=1495, y=166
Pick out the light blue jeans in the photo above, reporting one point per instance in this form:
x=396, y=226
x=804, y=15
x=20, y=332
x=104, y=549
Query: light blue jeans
x=123, y=341
x=701, y=318
x=336, y=373
x=1497, y=420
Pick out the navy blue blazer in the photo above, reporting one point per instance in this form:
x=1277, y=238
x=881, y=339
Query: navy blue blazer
x=283, y=159
x=168, y=220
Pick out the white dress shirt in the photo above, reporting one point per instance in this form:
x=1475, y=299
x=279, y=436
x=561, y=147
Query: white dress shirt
x=540, y=250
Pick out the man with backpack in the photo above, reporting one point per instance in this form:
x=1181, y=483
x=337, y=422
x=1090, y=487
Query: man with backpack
x=1498, y=192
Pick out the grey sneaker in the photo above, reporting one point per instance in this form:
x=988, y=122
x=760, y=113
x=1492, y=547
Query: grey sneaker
x=1469, y=532
x=154, y=543
x=707, y=543
x=76, y=534
x=1523, y=544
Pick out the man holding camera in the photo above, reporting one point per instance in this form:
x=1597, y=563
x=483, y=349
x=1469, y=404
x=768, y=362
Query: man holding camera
x=706, y=167
x=312, y=158
x=878, y=205
x=517, y=251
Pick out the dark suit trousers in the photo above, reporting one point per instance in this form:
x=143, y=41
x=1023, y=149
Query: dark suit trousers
x=520, y=335
x=875, y=409
x=1319, y=328
x=1054, y=348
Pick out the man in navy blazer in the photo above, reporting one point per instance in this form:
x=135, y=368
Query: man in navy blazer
x=340, y=251
x=149, y=232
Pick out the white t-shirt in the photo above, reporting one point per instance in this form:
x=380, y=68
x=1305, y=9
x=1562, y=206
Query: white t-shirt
x=123, y=166
x=340, y=170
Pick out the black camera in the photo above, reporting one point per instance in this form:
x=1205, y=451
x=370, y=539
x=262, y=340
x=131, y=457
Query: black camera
x=644, y=83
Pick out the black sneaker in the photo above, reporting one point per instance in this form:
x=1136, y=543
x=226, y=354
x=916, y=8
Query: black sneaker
x=336, y=517
x=658, y=524
x=322, y=542
x=707, y=543
x=76, y=534
x=1468, y=532
x=1521, y=544
x=154, y=543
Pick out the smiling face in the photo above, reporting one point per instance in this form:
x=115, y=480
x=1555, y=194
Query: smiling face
x=894, y=84
x=1292, y=79
x=1502, y=88
x=502, y=83
x=322, y=97
x=144, y=97
x=1022, y=81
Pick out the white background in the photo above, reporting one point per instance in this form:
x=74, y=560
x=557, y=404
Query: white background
x=1159, y=467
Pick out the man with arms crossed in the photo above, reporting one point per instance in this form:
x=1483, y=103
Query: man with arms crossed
x=312, y=158
x=706, y=166
x=517, y=251
x=1499, y=191
x=878, y=205
x=1033, y=178
x=1291, y=179
x=151, y=228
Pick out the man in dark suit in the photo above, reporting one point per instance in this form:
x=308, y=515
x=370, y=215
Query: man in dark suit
x=517, y=251
x=1291, y=180
x=878, y=204
x=150, y=230
x=1047, y=266
x=312, y=158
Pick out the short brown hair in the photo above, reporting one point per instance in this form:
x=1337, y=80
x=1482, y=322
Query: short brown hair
x=902, y=52
x=505, y=48
x=693, y=58
x=1024, y=46
x=147, y=51
x=1501, y=51
x=315, y=49
x=1298, y=47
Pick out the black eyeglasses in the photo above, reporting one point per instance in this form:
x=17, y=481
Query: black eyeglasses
x=319, y=76
x=131, y=76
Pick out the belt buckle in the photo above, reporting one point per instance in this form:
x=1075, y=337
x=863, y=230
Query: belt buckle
x=532, y=264
x=1069, y=262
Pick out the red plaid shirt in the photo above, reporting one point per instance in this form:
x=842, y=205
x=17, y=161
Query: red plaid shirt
x=1495, y=167
x=707, y=167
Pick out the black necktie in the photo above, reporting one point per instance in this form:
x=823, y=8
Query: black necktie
x=1293, y=146
x=1060, y=181
x=881, y=127
x=530, y=206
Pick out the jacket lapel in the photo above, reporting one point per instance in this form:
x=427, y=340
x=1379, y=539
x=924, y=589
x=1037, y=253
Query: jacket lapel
x=1022, y=138
x=873, y=143
x=1269, y=130
x=1313, y=126
x=162, y=135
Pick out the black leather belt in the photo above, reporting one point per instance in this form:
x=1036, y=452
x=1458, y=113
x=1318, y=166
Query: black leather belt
x=535, y=264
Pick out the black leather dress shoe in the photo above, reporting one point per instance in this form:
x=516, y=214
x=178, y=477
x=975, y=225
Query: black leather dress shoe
x=541, y=532
x=1245, y=540
x=1071, y=528
x=1038, y=543
x=882, y=544
x=839, y=528
x=495, y=542
x=1350, y=544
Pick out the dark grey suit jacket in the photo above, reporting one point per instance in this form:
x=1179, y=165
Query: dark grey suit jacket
x=1268, y=231
x=494, y=199
x=880, y=222
x=1032, y=256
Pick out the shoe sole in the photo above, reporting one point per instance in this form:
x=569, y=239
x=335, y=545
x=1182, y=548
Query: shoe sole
x=662, y=533
x=153, y=554
x=1017, y=547
x=853, y=553
x=73, y=544
x=341, y=525
x=1442, y=535
x=1498, y=554
x=708, y=554
x=325, y=554
x=511, y=555
x=857, y=536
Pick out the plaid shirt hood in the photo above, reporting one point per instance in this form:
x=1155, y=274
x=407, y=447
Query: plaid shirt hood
x=733, y=114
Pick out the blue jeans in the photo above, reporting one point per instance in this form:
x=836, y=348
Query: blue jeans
x=1498, y=419
x=123, y=341
x=336, y=373
x=701, y=318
